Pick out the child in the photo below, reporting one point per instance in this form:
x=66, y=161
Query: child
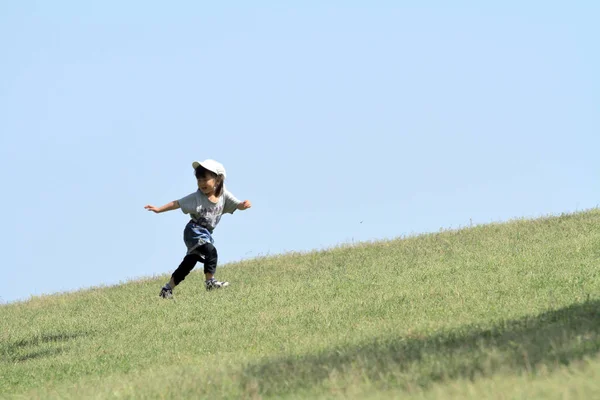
x=205, y=206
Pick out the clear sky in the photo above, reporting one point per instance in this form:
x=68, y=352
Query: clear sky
x=342, y=121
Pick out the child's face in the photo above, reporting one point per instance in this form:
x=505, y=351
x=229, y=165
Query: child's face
x=207, y=184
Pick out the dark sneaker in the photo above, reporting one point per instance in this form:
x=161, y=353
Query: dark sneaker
x=215, y=284
x=166, y=293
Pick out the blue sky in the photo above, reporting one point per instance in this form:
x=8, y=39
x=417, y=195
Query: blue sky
x=341, y=121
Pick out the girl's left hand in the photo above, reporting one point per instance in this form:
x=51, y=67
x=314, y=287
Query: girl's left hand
x=244, y=205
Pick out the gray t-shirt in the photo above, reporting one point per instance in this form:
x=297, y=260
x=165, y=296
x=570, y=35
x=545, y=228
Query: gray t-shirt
x=204, y=211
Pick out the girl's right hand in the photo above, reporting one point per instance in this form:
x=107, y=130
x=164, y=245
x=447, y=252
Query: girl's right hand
x=151, y=208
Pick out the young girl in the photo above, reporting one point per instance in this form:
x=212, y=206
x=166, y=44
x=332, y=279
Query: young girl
x=205, y=206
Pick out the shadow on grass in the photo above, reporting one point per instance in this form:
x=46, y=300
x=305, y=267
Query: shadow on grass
x=549, y=339
x=44, y=345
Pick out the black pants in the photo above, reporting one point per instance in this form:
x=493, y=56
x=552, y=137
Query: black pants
x=208, y=256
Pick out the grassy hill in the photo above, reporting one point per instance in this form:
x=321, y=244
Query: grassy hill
x=497, y=311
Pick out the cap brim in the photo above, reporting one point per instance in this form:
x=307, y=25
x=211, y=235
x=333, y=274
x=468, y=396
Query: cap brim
x=195, y=164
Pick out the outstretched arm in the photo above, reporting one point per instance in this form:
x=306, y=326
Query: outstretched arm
x=174, y=205
x=244, y=205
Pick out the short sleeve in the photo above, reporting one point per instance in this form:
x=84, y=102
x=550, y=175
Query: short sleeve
x=231, y=203
x=188, y=204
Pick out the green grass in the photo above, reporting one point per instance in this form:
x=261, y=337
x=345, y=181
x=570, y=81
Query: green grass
x=499, y=311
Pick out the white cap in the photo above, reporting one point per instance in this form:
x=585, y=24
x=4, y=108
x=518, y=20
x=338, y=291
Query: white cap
x=212, y=166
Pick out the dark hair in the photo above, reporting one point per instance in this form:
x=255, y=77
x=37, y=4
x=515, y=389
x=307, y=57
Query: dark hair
x=202, y=172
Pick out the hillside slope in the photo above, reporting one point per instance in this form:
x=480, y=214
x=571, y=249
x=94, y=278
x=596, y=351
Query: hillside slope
x=495, y=311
